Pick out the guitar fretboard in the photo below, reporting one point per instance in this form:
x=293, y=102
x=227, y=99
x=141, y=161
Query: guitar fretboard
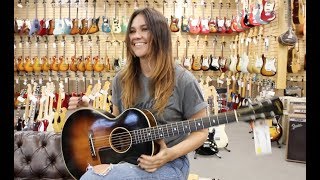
x=182, y=127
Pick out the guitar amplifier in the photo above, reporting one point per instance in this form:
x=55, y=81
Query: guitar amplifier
x=296, y=139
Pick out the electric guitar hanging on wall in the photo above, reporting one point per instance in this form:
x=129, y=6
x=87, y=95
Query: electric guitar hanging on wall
x=288, y=38
x=105, y=27
x=91, y=136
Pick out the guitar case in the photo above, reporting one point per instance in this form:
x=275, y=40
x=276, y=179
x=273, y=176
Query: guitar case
x=209, y=147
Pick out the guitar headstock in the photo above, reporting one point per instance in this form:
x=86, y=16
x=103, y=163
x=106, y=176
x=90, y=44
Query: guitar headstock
x=264, y=109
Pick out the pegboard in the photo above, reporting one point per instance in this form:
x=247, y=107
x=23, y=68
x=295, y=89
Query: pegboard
x=178, y=8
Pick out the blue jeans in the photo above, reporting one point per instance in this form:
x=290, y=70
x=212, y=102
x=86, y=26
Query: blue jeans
x=174, y=170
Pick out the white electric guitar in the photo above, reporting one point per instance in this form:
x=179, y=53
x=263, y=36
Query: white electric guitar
x=220, y=135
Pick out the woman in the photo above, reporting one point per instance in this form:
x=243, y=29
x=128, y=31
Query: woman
x=151, y=80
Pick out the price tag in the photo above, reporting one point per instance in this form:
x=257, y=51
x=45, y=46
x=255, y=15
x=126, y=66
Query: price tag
x=270, y=93
x=54, y=45
x=33, y=98
x=17, y=81
x=85, y=99
x=98, y=94
x=92, y=97
x=262, y=141
x=103, y=92
x=42, y=99
x=49, y=79
x=90, y=81
x=32, y=81
x=21, y=99
x=66, y=80
x=52, y=95
x=233, y=78
x=63, y=95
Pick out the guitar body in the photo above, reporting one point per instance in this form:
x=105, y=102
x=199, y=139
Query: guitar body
x=35, y=27
x=194, y=25
x=124, y=24
x=59, y=27
x=268, y=13
x=116, y=28
x=214, y=65
x=268, y=67
x=220, y=136
x=293, y=65
x=275, y=132
x=94, y=26
x=103, y=128
x=174, y=24
x=212, y=25
x=196, y=63
x=257, y=65
x=75, y=27
x=184, y=24
x=84, y=26
x=227, y=24
x=288, y=38
x=187, y=63
x=105, y=27
x=205, y=64
x=43, y=30
x=204, y=25
x=37, y=67
x=67, y=27
x=51, y=26
x=233, y=64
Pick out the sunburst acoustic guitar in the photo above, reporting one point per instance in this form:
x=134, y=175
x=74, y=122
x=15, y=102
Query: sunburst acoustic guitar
x=92, y=136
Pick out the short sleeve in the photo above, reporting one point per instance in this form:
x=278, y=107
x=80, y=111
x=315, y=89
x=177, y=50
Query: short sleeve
x=193, y=100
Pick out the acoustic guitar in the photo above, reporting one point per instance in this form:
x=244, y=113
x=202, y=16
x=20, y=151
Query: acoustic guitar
x=92, y=136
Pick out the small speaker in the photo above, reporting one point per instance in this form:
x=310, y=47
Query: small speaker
x=296, y=140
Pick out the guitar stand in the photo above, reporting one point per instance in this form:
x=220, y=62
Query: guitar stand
x=226, y=148
x=278, y=143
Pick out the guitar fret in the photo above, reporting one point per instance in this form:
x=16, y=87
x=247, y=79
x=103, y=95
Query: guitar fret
x=210, y=122
x=167, y=130
x=161, y=134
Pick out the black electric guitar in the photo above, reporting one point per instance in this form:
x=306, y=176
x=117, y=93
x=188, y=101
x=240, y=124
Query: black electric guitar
x=91, y=136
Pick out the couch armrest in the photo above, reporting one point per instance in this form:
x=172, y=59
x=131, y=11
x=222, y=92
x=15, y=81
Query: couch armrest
x=38, y=155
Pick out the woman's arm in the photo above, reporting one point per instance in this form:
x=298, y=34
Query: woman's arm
x=192, y=142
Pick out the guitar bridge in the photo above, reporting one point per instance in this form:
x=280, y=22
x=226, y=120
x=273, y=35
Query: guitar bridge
x=91, y=144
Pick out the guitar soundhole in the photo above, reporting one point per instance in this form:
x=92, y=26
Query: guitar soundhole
x=120, y=140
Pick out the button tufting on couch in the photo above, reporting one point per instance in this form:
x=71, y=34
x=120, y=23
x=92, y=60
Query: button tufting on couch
x=37, y=155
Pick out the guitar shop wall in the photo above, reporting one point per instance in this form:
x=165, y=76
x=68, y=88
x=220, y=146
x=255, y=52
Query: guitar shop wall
x=247, y=59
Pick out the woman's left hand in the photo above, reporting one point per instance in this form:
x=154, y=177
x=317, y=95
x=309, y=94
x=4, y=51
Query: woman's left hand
x=152, y=163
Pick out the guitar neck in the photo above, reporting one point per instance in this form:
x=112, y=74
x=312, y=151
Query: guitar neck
x=185, y=127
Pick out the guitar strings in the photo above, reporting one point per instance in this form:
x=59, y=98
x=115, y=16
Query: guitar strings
x=122, y=139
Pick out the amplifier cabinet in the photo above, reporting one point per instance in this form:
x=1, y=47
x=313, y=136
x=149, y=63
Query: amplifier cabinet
x=296, y=139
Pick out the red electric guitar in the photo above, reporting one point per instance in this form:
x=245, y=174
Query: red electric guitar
x=43, y=27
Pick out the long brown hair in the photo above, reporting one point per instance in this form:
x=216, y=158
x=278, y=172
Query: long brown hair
x=160, y=49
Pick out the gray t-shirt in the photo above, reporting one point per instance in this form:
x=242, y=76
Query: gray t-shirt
x=186, y=100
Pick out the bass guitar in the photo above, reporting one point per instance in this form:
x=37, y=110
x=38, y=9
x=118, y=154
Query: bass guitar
x=92, y=136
